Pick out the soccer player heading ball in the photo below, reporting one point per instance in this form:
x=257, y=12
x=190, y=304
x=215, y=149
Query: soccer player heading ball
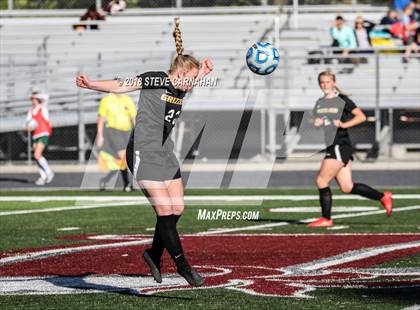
x=150, y=154
x=335, y=112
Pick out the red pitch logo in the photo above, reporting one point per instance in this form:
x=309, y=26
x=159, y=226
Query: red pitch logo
x=277, y=265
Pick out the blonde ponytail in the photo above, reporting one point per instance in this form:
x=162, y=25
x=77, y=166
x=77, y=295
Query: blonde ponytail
x=177, y=37
x=181, y=61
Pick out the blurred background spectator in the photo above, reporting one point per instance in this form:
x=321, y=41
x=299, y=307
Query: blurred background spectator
x=413, y=46
x=362, y=29
x=342, y=35
x=116, y=6
x=390, y=18
x=405, y=28
x=91, y=14
x=416, y=11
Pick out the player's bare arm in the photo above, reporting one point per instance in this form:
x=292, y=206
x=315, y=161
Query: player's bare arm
x=359, y=117
x=206, y=67
x=109, y=86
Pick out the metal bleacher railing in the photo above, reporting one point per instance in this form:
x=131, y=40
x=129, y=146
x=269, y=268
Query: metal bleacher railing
x=48, y=54
x=76, y=4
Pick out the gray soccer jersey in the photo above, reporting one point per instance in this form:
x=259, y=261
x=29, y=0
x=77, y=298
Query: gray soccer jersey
x=159, y=106
x=337, y=108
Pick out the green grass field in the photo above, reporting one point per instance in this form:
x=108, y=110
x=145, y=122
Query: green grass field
x=24, y=228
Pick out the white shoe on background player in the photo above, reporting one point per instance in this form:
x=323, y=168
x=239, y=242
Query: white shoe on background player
x=40, y=182
x=50, y=177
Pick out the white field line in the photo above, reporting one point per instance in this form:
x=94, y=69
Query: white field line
x=350, y=256
x=59, y=209
x=122, y=201
x=252, y=227
x=195, y=198
x=318, y=208
x=338, y=227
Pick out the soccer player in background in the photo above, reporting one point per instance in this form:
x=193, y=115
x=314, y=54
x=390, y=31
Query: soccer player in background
x=335, y=112
x=38, y=122
x=150, y=155
x=116, y=117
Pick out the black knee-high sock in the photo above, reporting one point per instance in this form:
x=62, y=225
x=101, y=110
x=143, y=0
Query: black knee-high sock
x=325, y=199
x=157, y=245
x=124, y=175
x=167, y=230
x=366, y=191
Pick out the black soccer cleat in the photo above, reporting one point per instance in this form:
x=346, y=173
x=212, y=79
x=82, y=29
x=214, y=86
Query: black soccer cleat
x=153, y=266
x=192, y=277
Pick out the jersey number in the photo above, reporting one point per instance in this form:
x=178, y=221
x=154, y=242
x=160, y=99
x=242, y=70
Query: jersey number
x=171, y=116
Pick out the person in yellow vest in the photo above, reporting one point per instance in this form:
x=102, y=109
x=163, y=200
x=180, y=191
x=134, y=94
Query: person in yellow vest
x=116, y=116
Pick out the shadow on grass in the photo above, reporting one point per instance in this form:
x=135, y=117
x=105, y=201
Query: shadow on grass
x=16, y=180
x=79, y=283
x=409, y=293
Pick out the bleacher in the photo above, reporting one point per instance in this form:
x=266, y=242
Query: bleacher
x=46, y=53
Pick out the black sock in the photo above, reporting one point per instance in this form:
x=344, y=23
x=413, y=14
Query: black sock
x=366, y=191
x=157, y=245
x=166, y=228
x=325, y=199
x=124, y=175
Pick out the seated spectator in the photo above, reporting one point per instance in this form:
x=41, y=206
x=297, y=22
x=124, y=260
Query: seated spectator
x=406, y=27
x=91, y=14
x=362, y=29
x=390, y=18
x=116, y=6
x=413, y=46
x=406, y=14
x=342, y=35
x=416, y=11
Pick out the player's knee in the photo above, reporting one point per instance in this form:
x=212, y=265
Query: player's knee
x=346, y=188
x=37, y=155
x=164, y=209
x=178, y=209
x=322, y=182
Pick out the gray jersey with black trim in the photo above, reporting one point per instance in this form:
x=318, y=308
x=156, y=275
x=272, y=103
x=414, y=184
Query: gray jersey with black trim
x=159, y=107
x=338, y=108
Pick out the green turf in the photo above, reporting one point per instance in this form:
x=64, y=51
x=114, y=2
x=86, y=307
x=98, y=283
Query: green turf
x=307, y=191
x=381, y=299
x=27, y=205
x=40, y=230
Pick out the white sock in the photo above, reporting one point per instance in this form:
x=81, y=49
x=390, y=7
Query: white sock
x=42, y=173
x=44, y=165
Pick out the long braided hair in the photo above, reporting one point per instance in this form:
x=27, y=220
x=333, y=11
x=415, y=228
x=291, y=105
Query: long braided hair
x=181, y=61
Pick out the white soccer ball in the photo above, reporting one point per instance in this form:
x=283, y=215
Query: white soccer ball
x=262, y=58
x=32, y=125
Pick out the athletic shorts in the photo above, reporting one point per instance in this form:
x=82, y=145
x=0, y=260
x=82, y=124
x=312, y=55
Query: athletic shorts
x=340, y=152
x=44, y=140
x=115, y=140
x=152, y=165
